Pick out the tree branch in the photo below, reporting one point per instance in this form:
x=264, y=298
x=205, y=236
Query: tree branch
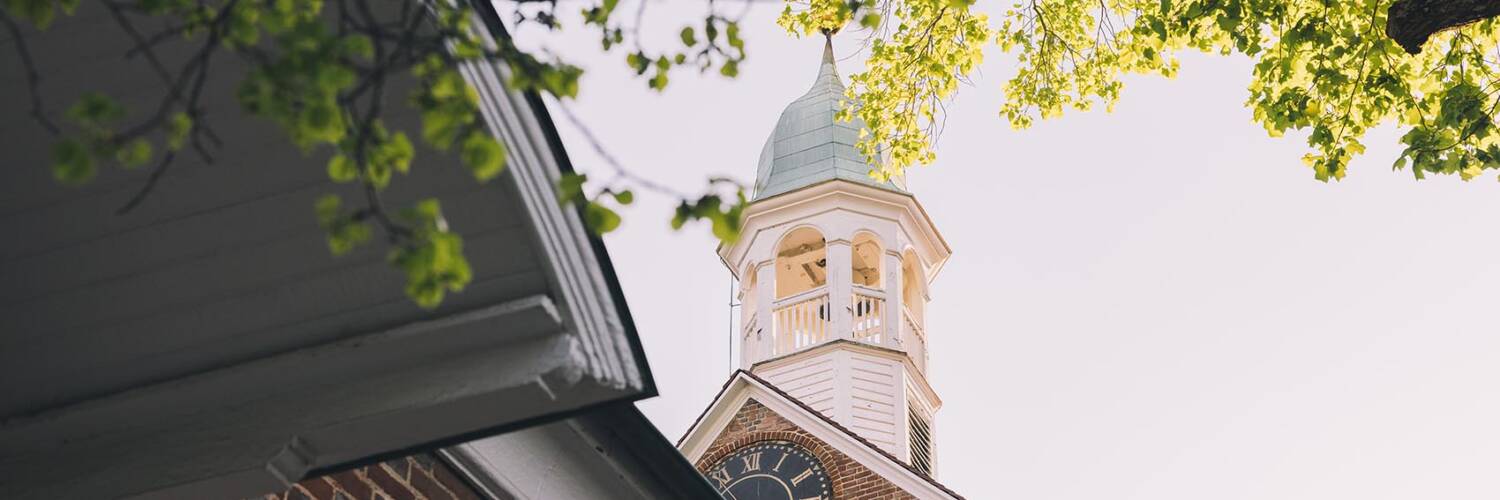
x=1411, y=22
x=33, y=80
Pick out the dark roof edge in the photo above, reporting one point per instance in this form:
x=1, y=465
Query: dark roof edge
x=656, y=455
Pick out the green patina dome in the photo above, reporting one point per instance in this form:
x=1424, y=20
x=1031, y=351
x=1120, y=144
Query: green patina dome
x=810, y=146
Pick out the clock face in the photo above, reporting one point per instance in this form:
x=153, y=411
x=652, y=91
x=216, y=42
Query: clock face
x=771, y=470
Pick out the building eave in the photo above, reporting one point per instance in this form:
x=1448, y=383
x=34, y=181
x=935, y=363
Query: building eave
x=252, y=414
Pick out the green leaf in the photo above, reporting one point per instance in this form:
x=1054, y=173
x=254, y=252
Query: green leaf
x=432, y=258
x=484, y=156
x=134, y=154
x=398, y=152
x=178, y=126
x=321, y=121
x=39, y=12
x=624, y=197
x=346, y=235
x=327, y=208
x=732, y=34
x=243, y=25
x=600, y=218
x=71, y=163
x=94, y=109
x=342, y=169
x=334, y=77
x=689, y=37
x=357, y=46
x=570, y=187
x=440, y=127
x=638, y=61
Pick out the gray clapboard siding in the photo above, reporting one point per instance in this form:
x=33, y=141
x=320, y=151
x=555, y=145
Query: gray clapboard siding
x=222, y=258
x=125, y=326
x=229, y=271
x=134, y=250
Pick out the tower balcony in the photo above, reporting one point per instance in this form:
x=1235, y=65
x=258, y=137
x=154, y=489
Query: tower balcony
x=803, y=320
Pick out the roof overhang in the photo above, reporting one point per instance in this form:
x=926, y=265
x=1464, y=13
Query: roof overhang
x=246, y=413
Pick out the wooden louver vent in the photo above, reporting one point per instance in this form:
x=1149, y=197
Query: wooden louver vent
x=921, y=441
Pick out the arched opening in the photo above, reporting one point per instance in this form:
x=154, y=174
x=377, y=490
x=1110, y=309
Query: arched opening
x=800, y=314
x=801, y=262
x=867, y=302
x=911, y=285
x=866, y=260
x=748, y=281
x=750, y=346
x=914, y=334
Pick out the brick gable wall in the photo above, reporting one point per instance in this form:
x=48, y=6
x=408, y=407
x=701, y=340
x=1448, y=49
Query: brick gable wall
x=420, y=476
x=754, y=423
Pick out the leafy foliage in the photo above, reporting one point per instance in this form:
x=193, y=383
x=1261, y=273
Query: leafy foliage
x=1323, y=67
x=320, y=70
x=1326, y=68
x=920, y=50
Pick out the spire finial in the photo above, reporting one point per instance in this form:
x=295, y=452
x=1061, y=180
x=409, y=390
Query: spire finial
x=828, y=47
x=829, y=66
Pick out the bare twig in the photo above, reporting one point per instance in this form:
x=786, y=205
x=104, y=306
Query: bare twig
x=33, y=80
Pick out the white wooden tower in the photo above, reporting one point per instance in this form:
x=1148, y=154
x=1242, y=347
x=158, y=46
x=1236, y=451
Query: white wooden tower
x=834, y=267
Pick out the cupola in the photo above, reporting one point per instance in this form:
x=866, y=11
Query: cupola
x=833, y=268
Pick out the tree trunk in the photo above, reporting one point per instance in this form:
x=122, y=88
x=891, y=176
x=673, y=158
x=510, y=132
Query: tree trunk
x=1410, y=22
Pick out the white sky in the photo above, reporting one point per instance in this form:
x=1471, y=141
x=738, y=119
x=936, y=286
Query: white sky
x=1159, y=303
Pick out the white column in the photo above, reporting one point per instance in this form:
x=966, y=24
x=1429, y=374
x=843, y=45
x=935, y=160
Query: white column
x=895, y=337
x=840, y=289
x=765, y=297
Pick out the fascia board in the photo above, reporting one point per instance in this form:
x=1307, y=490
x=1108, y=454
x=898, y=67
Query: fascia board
x=560, y=237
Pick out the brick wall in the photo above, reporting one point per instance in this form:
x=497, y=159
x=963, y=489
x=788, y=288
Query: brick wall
x=754, y=422
x=419, y=476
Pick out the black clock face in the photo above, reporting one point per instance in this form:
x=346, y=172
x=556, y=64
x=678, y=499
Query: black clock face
x=771, y=470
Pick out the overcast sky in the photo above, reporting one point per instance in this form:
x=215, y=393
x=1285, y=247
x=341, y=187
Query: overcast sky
x=1158, y=303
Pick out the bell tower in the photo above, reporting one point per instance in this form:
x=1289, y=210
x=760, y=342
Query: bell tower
x=833, y=268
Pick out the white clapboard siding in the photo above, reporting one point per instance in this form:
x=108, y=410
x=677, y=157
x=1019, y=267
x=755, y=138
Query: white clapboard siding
x=810, y=380
x=873, y=383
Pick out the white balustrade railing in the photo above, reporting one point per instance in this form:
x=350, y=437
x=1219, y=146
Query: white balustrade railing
x=915, y=340
x=799, y=321
x=869, y=309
